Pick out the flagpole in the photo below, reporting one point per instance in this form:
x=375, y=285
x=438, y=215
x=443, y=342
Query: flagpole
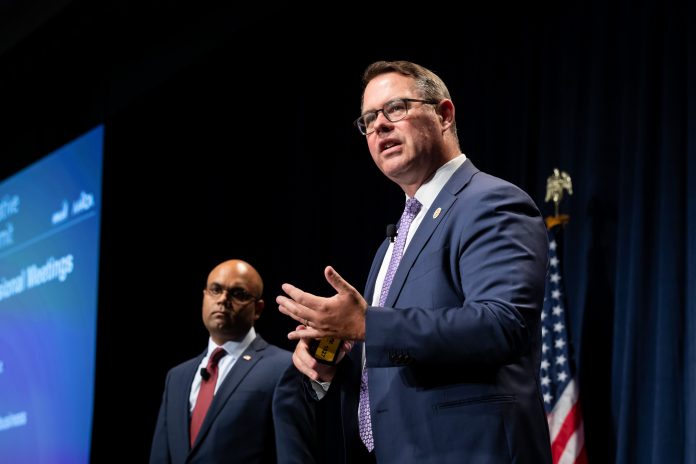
x=559, y=387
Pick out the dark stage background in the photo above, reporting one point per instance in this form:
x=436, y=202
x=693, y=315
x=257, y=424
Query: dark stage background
x=228, y=134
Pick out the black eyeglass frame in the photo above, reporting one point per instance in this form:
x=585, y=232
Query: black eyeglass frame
x=362, y=126
x=236, y=294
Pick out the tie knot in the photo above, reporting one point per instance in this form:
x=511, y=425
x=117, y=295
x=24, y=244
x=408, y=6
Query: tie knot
x=412, y=208
x=215, y=357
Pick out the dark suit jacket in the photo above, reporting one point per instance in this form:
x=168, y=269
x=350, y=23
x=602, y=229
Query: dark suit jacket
x=453, y=358
x=239, y=425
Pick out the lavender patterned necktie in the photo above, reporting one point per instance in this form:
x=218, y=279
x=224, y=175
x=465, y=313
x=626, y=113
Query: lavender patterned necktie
x=411, y=210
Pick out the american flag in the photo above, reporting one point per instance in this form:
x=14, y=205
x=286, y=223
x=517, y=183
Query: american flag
x=559, y=386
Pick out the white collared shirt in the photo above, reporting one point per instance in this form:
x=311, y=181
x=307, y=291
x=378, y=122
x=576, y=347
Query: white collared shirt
x=234, y=351
x=426, y=195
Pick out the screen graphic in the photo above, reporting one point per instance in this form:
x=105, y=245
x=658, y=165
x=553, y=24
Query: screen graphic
x=49, y=262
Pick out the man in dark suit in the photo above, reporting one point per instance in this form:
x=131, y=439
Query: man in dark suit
x=441, y=366
x=237, y=373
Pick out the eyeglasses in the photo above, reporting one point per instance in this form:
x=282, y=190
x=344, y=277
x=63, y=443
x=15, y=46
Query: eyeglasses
x=394, y=110
x=236, y=294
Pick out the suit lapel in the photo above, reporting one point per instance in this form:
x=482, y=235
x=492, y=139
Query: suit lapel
x=239, y=371
x=182, y=414
x=374, y=270
x=443, y=202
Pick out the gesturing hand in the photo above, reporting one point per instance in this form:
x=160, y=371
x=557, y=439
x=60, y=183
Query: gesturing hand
x=341, y=316
x=309, y=366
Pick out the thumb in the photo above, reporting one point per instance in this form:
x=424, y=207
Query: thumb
x=336, y=281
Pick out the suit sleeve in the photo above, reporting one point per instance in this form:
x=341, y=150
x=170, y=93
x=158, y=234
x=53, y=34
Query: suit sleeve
x=294, y=419
x=473, y=295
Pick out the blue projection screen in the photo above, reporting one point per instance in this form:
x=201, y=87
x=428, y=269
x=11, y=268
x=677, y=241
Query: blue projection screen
x=49, y=263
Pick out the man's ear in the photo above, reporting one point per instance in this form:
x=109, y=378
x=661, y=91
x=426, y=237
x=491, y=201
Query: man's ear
x=258, y=308
x=445, y=110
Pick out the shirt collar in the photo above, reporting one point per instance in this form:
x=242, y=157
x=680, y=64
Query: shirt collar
x=427, y=192
x=234, y=349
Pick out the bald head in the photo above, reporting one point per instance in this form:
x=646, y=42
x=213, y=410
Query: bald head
x=241, y=270
x=232, y=300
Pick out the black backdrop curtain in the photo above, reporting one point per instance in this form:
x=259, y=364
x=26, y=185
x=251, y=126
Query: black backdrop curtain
x=614, y=112
x=263, y=164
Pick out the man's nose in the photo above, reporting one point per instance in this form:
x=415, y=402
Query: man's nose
x=382, y=124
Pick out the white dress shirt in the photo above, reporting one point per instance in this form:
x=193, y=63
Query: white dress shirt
x=234, y=351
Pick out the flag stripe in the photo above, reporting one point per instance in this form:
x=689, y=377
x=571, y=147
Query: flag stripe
x=562, y=409
x=582, y=457
x=574, y=455
x=568, y=441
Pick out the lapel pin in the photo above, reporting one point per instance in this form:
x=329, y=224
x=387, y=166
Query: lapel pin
x=246, y=357
x=437, y=213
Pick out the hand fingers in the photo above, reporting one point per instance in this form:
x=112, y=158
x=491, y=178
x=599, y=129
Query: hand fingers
x=305, y=299
x=303, y=360
x=301, y=365
x=306, y=333
x=295, y=310
x=337, y=282
x=308, y=365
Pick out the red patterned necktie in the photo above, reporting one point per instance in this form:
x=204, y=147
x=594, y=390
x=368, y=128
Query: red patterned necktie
x=205, y=394
x=411, y=210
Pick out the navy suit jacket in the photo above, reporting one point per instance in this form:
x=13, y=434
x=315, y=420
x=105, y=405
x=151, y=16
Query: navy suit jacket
x=453, y=357
x=238, y=427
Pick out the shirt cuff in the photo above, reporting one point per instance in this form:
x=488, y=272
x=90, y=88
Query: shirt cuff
x=320, y=388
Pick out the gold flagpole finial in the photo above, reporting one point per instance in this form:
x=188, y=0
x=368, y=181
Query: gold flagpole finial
x=556, y=183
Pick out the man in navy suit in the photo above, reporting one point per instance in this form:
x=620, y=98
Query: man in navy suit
x=238, y=426
x=441, y=358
